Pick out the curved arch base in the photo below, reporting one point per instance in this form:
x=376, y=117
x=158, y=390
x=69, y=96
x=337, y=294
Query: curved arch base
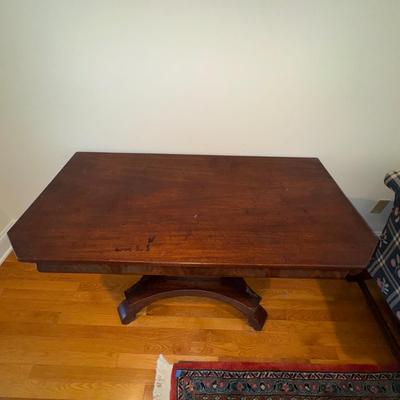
x=233, y=291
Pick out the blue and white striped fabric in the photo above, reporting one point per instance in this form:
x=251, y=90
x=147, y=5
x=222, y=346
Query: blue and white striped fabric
x=384, y=266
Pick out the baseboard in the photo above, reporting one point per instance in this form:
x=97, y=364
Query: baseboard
x=5, y=245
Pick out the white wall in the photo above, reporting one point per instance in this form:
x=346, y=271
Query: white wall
x=296, y=78
x=4, y=220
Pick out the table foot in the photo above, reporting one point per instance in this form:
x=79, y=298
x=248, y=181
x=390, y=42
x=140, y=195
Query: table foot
x=231, y=290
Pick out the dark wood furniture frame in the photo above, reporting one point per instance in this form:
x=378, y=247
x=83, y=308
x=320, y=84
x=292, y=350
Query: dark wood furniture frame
x=194, y=225
x=383, y=314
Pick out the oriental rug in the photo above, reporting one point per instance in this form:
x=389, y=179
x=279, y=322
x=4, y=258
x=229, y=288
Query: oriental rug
x=265, y=381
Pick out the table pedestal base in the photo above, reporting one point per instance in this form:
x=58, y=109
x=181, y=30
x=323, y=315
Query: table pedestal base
x=233, y=291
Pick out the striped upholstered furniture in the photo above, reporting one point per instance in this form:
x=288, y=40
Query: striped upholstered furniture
x=384, y=266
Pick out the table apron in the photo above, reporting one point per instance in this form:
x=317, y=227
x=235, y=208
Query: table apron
x=180, y=270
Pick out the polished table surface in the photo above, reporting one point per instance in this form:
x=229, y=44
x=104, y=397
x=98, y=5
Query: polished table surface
x=194, y=225
x=174, y=213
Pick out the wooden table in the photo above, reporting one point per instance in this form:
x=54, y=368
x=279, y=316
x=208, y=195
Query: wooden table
x=194, y=225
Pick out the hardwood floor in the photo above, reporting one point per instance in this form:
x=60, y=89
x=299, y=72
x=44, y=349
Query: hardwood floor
x=61, y=338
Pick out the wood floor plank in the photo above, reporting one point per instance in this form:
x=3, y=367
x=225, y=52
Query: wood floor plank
x=28, y=316
x=44, y=389
x=60, y=335
x=38, y=284
x=57, y=296
x=11, y=257
x=147, y=361
x=16, y=270
x=13, y=372
x=148, y=392
x=84, y=374
x=150, y=321
x=19, y=351
x=38, y=304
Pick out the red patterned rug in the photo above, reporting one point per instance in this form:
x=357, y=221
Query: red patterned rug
x=259, y=381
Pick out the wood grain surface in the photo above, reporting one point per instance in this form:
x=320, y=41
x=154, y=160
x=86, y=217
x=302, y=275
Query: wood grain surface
x=60, y=337
x=182, y=214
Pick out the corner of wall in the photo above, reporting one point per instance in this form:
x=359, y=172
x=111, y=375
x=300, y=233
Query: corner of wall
x=375, y=221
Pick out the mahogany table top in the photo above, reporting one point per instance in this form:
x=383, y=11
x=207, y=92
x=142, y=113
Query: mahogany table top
x=194, y=212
